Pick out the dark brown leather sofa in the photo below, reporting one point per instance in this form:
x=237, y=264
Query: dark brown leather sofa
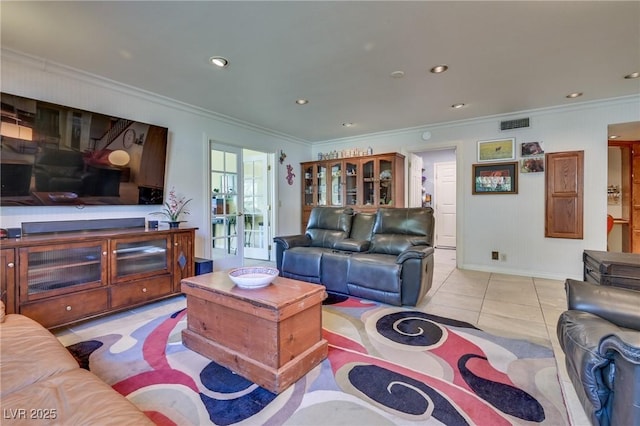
x=600, y=336
x=385, y=256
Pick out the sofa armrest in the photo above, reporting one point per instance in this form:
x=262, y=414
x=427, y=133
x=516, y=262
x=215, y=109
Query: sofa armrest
x=414, y=252
x=615, y=304
x=350, y=244
x=626, y=343
x=289, y=241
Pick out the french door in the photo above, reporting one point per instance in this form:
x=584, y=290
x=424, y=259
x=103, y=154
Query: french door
x=241, y=200
x=227, y=221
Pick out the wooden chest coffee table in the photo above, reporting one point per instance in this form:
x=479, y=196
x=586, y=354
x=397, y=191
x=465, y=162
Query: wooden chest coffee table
x=271, y=336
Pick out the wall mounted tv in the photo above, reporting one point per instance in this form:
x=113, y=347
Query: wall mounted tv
x=57, y=155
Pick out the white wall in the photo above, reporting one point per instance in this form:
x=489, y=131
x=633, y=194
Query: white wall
x=189, y=131
x=514, y=224
x=511, y=224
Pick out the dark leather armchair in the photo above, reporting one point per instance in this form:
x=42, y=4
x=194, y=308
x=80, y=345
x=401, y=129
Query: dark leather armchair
x=600, y=336
x=385, y=256
x=59, y=170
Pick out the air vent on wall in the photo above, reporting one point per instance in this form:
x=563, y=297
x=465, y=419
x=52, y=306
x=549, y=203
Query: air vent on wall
x=514, y=124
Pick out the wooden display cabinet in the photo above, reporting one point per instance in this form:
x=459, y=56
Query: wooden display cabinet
x=67, y=277
x=8, y=279
x=363, y=183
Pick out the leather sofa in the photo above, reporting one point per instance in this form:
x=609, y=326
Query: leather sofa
x=385, y=256
x=43, y=384
x=58, y=170
x=600, y=336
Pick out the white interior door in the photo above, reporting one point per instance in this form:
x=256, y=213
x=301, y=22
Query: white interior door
x=227, y=211
x=257, y=205
x=415, y=181
x=445, y=204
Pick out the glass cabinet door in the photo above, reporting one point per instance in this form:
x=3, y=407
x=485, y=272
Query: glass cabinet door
x=385, y=180
x=308, y=186
x=368, y=183
x=321, y=179
x=351, y=183
x=138, y=258
x=336, y=184
x=61, y=269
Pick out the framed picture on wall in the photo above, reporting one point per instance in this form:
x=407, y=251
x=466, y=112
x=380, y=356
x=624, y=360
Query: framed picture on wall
x=495, y=178
x=497, y=150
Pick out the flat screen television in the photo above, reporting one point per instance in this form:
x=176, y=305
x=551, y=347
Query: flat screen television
x=58, y=155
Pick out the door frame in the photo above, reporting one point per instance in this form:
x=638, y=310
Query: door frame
x=457, y=147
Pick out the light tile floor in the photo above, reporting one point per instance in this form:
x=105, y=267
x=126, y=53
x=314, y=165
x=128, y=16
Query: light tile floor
x=509, y=305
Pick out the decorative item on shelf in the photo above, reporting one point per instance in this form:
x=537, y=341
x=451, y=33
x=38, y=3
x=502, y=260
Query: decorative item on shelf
x=173, y=208
x=613, y=194
x=282, y=156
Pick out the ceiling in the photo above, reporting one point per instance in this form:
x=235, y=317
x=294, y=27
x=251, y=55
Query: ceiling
x=502, y=56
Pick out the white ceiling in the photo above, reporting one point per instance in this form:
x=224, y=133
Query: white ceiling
x=502, y=56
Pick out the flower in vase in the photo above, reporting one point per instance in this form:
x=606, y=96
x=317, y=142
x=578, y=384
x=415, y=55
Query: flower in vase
x=174, y=207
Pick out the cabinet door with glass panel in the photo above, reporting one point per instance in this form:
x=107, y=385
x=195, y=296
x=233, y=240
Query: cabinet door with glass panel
x=336, y=182
x=352, y=174
x=62, y=268
x=139, y=257
x=380, y=180
x=316, y=184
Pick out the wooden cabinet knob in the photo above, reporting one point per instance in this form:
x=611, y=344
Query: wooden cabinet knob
x=10, y=265
x=115, y=252
x=104, y=253
x=68, y=308
x=144, y=290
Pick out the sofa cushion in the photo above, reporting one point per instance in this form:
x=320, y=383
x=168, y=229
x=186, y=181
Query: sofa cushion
x=376, y=271
x=327, y=225
x=334, y=270
x=302, y=263
x=75, y=397
x=29, y=353
x=395, y=230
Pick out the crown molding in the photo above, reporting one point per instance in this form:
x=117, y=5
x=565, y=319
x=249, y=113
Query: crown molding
x=52, y=67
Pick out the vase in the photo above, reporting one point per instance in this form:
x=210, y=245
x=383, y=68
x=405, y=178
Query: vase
x=173, y=225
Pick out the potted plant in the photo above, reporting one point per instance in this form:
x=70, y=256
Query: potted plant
x=174, y=206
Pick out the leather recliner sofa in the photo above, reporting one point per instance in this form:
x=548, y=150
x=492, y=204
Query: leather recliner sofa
x=385, y=256
x=600, y=336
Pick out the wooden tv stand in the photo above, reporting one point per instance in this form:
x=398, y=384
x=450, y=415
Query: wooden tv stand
x=62, y=278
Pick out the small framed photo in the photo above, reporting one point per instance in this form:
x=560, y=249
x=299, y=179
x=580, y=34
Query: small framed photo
x=495, y=178
x=532, y=165
x=497, y=150
x=531, y=149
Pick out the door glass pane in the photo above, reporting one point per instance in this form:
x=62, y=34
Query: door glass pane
x=139, y=257
x=224, y=207
x=351, y=178
x=50, y=270
x=336, y=184
x=368, y=183
x=386, y=182
x=308, y=186
x=322, y=184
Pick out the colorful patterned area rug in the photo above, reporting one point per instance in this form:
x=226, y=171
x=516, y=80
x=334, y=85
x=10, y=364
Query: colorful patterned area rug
x=386, y=366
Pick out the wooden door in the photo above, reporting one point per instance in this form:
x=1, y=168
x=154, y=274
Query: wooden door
x=565, y=194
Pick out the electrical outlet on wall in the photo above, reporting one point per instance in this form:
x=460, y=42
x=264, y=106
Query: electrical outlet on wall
x=495, y=255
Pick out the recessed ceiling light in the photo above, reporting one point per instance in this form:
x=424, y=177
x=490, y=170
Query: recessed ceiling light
x=614, y=137
x=632, y=75
x=574, y=95
x=302, y=101
x=439, y=69
x=397, y=74
x=457, y=106
x=347, y=124
x=219, y=61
